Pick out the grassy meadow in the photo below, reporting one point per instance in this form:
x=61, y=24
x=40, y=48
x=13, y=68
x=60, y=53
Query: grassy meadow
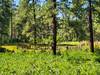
x=21, y=61
x=45, y=63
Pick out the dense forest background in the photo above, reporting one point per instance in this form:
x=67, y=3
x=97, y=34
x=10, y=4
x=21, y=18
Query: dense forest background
x=31, y=21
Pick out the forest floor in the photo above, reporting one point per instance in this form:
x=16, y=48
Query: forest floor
x=45, y=63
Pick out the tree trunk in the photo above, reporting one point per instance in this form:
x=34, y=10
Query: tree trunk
x=54, y=24
x=11, y=26
x=91, y=27
x=34, y=23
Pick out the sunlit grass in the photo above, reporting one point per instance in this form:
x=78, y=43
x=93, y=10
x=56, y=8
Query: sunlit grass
x=74, y=62
x=10, y=47
x=71, y=43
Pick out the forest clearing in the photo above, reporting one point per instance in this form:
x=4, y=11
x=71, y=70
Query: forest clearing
x=49, y=37
x=73, y=61
x=44, y=63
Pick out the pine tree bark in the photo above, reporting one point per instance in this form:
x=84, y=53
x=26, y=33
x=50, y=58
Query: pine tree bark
x=91, y=27
x=34, y=23
x=54, y=24
x=11, y=26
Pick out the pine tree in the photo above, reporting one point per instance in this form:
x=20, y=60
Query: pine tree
x=91, y=27
x=34, y=22
x=5, y=18
x=54, y=26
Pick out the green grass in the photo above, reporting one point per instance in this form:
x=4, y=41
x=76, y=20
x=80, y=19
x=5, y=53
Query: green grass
x=71, y=43
x=10, y=47
x=44, y=63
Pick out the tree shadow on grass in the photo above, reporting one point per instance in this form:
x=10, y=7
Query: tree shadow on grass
x=3, y=50
x=97, y=52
